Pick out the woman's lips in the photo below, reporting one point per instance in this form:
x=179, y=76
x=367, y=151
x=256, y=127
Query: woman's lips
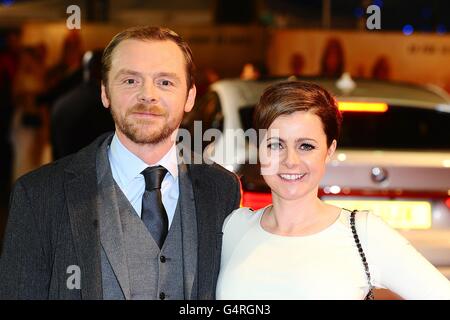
x=291, y=177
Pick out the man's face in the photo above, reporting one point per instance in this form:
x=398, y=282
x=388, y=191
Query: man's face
x=147, y=90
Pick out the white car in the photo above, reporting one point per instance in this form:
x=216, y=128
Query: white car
x=393, y=156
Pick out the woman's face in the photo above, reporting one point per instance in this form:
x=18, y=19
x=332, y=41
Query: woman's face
x=293, y=155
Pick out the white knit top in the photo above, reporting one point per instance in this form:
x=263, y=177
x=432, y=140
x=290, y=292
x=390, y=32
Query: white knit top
x=257, y=264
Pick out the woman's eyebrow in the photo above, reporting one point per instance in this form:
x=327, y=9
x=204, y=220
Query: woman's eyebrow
x=305, y=139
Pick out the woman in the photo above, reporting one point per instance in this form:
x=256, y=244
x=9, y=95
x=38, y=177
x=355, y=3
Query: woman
x=300, y=247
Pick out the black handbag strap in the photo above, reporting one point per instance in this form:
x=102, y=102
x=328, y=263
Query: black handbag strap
x=369, y=295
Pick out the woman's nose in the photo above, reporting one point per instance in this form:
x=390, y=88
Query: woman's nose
x=291, y=159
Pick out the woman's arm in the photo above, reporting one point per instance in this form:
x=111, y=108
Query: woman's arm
x=399, y=267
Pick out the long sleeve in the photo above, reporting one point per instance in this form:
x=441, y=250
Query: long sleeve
x=396, y=265
x=24, y=271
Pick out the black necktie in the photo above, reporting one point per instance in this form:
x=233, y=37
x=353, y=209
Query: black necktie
x=153, y=213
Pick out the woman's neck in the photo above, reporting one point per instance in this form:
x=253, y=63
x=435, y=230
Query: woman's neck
x=301, y=216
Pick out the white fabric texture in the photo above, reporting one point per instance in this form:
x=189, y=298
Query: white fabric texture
x=326, y=265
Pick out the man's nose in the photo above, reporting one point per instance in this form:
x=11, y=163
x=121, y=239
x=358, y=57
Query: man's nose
x=148, y=93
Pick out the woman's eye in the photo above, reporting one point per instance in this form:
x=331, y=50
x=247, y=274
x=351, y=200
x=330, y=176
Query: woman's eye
x=275, y=146
x=307, y=147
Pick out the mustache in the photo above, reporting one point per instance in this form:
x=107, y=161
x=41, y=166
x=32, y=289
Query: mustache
x=153, y=109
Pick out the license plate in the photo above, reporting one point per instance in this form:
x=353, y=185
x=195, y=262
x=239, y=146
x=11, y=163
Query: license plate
x=398, y=214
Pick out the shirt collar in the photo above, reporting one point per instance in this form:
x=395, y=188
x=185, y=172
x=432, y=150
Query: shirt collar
x=130, y=166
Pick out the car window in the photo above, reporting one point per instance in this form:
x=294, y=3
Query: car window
x=402, y=127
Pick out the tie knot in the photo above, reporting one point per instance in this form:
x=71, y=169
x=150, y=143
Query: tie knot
x=153, y=177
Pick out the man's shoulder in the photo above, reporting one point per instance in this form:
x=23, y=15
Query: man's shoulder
x=54, y=172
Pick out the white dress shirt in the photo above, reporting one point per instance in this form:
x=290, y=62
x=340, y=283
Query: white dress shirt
x=126, y=169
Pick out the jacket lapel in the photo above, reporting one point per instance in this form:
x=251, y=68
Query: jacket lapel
x=111, y=233
x=207, y=226
x=189, y=233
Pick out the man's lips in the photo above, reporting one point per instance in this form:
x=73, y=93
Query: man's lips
x=147, y=114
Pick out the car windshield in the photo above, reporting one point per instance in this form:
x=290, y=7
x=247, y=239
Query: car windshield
x=402, y=127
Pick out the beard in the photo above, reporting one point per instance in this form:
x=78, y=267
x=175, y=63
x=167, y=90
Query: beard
x=145, y=131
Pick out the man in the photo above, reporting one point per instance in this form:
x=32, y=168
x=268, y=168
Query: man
x=121, y=219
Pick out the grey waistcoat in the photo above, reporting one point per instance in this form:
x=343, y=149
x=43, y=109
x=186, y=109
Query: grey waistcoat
x=133, y=266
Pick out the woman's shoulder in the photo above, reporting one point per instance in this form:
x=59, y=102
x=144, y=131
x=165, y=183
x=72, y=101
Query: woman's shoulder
x=242, y=218
x=372, y=227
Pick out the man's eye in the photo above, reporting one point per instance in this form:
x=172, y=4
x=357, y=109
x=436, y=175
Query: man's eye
x=130, y=81
x=307, y=147
x=166, y=83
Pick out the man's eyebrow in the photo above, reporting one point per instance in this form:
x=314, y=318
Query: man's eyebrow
x=122, y=72
x=172, y=75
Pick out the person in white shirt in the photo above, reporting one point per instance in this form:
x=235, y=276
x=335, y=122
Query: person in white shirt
x=300, y=247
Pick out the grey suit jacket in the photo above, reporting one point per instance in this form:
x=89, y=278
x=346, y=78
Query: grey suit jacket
x=53, y=226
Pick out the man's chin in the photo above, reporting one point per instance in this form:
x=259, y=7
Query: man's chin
x=155, y=137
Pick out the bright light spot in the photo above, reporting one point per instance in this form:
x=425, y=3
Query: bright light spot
x=341, y=157
x=446, y=163
x=376, y=171
x=335, y=189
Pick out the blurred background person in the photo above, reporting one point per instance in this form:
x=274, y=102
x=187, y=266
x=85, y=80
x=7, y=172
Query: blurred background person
x=381, y=69
x=67, y=73
x=206, y=78
x=9, y=63
x=78, y=117
x=297, y=64
x=28, y=132
x=253, y=71
x=332, y=63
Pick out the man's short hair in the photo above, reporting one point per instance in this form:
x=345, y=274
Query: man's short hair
x=145, y=33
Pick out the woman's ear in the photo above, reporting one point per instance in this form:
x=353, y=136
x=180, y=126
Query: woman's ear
x=331, y=150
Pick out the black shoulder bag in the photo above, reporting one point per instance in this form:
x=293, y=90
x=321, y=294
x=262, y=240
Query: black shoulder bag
x=369, y=295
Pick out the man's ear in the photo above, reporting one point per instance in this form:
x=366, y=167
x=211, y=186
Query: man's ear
x=105, y=98
x=190, y=101
x=331, y=150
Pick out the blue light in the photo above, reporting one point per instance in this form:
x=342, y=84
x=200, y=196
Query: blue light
x=408, y=30
x=441, y=29
x=378, y=3
x=358, y=12
x=7, y=3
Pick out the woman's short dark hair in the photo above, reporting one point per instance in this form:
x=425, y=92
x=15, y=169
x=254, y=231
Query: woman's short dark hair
x=287, y=97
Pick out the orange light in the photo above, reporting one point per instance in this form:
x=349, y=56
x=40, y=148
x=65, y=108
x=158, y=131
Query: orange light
x=255, y=200
x=362, y=106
